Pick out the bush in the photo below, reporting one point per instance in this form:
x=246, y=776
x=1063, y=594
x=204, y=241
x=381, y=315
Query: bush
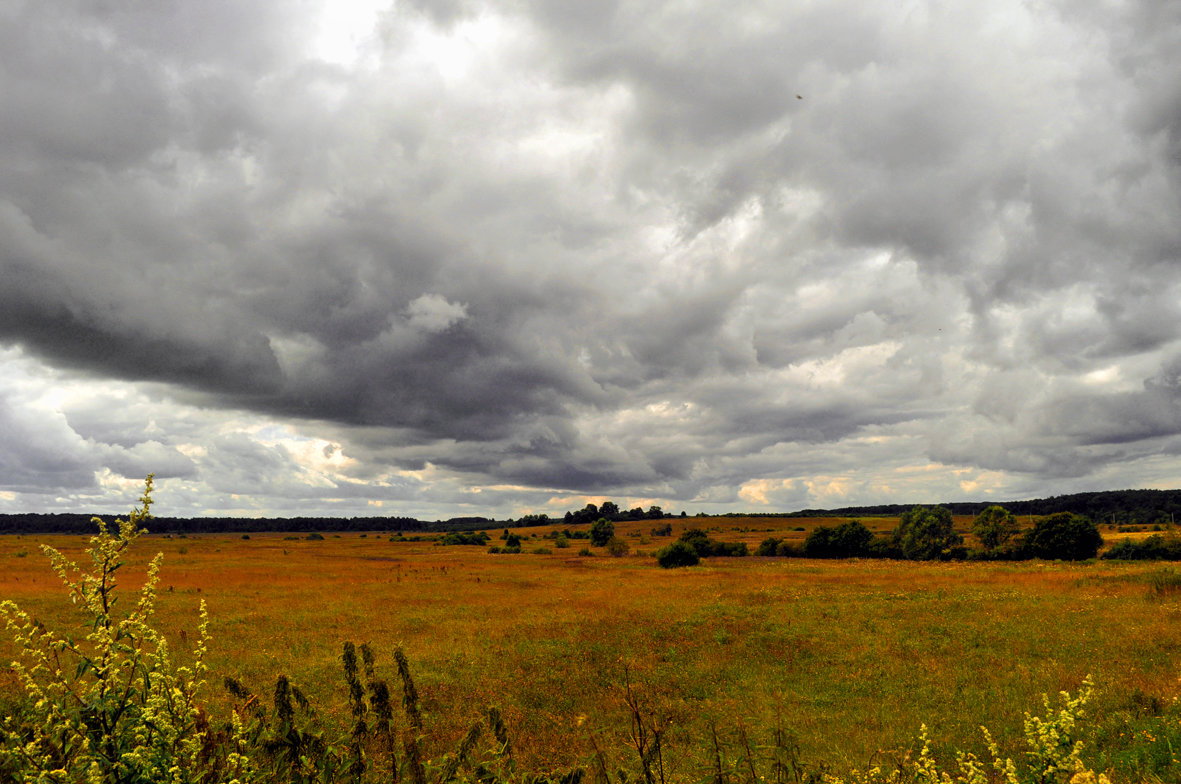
x=767, y=546
x=468, y=538
x=616, y=547
x=729, y=549
x=698, y=540
x=781, y=548
x=314, y=537
x=925, y=534
x=677, y=554
x=786, y=549
x=1152, y=548
x=706, y=547
x=1064, y=536
x=601, y=532
x=848, y=540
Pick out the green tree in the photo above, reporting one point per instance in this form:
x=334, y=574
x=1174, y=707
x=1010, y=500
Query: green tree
x=1064, y=536
x=925, y=533
x=994, y=527
x=601, y=532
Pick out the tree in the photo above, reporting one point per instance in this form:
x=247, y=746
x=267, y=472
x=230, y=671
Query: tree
x=994, y=527
x=609, y=509
x=925, y=533
x=1064, y=536
x=601, y=532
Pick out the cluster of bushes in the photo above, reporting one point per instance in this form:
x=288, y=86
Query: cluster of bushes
x=695, y=544
x=927, y=534
x=1152, y=548
x=567, y=534
x=511, y=546
x=470, y=538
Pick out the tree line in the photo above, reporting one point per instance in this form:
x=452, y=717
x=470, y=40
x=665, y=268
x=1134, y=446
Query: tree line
x=927, y=534
x=1119, y=507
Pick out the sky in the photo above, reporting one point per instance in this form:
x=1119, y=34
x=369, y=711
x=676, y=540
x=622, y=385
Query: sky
x=452, y=257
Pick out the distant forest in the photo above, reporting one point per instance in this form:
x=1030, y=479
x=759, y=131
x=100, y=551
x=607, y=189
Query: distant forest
x=1121, y=507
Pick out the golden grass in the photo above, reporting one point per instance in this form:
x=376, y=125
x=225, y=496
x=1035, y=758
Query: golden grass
x=854, y=655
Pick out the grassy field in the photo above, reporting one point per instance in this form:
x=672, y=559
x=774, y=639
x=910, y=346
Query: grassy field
x=851, y=656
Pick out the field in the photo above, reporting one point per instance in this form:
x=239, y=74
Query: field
x=850, y=656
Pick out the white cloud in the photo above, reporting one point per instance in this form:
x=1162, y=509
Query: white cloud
x=433, y=313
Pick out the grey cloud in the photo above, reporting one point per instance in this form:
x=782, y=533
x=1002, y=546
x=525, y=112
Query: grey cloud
x=599, y=247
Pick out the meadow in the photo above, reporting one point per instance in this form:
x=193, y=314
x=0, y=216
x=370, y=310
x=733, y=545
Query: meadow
x=851, y=657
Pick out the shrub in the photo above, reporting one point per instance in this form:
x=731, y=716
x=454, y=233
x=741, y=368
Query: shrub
x=1152, y=548
x=314, y=537
x=786, y=549
x=850, y=539
x=705, y=547
x=616, y=547
x=472, y=538
x=767, y=546
x=729, y=549
x=698, y=540
x=677, y=554
x=586, y=552
x=1064, y=536
x=925, y=534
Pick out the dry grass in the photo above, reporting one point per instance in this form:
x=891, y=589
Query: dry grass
x=853, y=655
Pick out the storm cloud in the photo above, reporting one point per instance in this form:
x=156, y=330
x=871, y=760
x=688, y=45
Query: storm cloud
x=465, y=257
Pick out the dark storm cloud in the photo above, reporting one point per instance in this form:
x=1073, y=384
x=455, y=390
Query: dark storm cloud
x=683, y=251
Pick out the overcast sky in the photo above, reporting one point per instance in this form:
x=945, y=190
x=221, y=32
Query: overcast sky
x=451, y=258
